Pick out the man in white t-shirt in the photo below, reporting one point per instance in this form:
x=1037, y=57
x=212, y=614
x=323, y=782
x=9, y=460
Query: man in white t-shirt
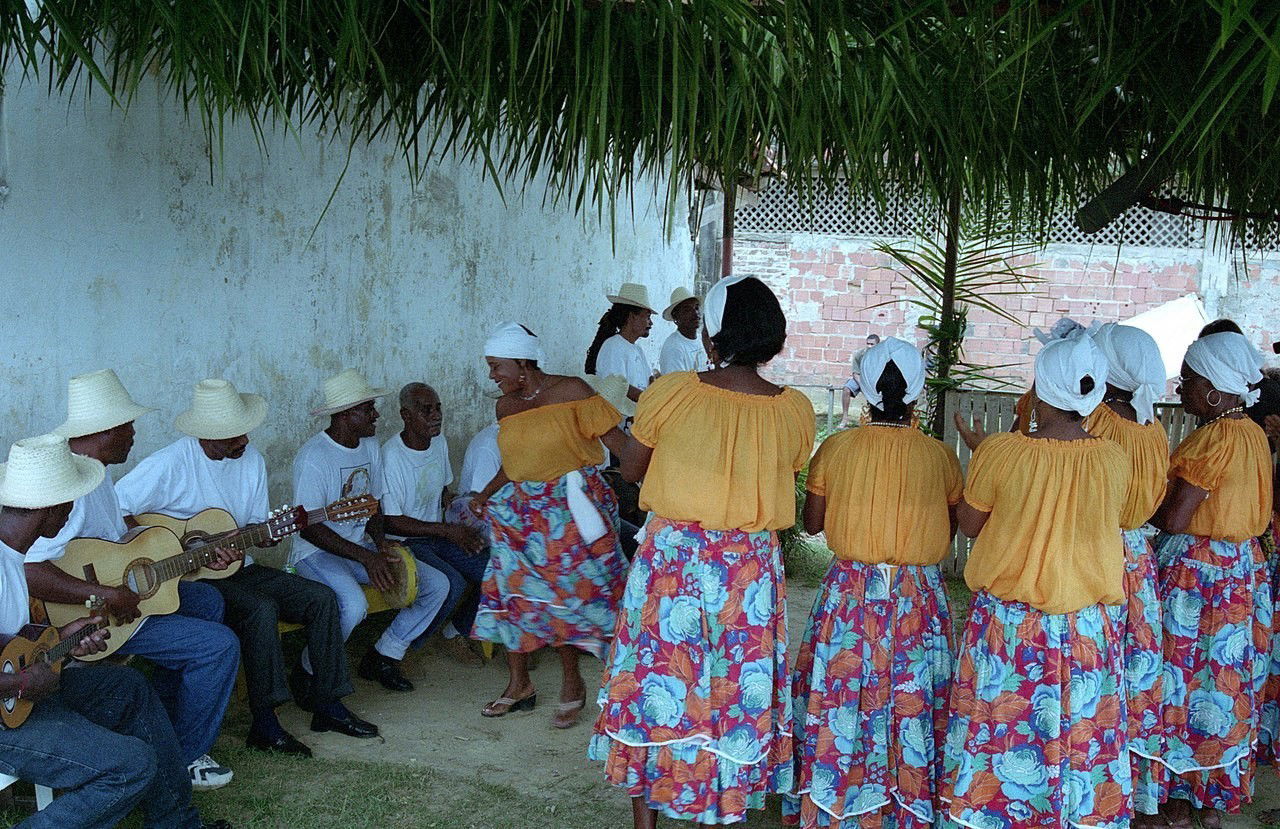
x=97, y=732
x=853, y=387
x=196, y=656
x=415, y=473
x=683, y=349
x=342, y=461
x=215, y=467
x=615, y=347
x=480, y=463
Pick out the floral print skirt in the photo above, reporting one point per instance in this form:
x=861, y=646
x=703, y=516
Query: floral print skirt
x=871, y=685
x=1217, y=640
x=1037, y=735
x=695, y=709
x=544, y=585
x=1144, y=672
x=1269, y=716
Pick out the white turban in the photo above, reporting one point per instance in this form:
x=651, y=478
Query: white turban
x=1062, y=329
x=902, y=355
x=1133, y=364
x=511, y=341
x=1229, y=362
x=1062, y=364
x=713, y=305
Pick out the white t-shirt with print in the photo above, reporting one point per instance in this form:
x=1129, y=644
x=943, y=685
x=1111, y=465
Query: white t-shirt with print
x=15, y=609
x=414, y=479
x=617, y=356
x=679, y=353
x=481, y=461
x=96, y=515
x=180, y=480
x=324, y=471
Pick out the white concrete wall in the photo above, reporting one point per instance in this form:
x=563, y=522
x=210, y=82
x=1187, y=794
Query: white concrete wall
x=121, y=246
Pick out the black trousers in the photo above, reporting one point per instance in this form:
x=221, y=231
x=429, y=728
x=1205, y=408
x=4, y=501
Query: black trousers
x=258, y=597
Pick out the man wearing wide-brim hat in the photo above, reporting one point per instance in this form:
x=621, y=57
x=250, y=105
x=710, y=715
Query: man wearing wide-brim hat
x=341, y=461
x=98, y=733
x=197, y=655
x=614, y=349
x=214, y=466
x=682, y=350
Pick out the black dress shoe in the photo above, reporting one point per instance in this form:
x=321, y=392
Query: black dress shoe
x=378, y=668
x=350, y=725
x=283, y=744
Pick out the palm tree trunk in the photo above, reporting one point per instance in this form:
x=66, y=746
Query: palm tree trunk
x=948, y=351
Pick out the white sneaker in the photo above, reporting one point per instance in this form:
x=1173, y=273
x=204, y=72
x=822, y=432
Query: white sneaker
x=206, y=774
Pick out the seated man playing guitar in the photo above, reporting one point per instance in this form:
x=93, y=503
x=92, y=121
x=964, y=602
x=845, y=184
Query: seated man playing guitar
x=197, y=656
x=215, y=467
x=98, y=733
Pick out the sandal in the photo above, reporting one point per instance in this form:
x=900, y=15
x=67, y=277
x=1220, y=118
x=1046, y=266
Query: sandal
x=503, y=706
x=567, y=713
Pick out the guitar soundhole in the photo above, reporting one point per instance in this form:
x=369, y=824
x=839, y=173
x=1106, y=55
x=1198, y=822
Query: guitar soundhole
x=9, y=702
x=140, y=577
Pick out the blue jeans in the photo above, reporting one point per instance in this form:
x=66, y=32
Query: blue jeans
x=463, y=570
x=347, y=578
x=103, y=739
x=197, y=658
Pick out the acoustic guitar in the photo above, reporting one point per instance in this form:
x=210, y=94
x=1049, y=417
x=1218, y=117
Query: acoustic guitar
x=35, y=644
x=151, y=560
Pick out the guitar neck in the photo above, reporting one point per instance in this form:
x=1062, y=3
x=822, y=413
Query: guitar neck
x=205, y=553
x=63, y=649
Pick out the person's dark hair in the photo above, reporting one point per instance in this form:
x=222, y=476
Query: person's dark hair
x=1268, y=398
x=875, y=337
x=1222, y=326
x=611, y=323
x=1087, y=384
x=753, y=327
x=893, y=388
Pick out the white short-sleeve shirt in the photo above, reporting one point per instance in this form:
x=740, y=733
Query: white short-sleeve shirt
x=180, y=480
x=481, y=461
x=679, y=353
x=96, y=515
x=324, y=471
x=414, y=479
x=15, y=609
x=617, y=356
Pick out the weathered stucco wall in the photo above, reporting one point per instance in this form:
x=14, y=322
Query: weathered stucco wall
x=123, y=247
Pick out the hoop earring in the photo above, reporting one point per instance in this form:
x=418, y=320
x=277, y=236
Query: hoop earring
x=1212, y=404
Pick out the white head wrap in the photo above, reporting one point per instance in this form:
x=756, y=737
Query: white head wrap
x=901, y=354
x=1062, y=329
x=510, y=340
x=1229, y=362
x=1062, y=364
x=713, y=305
x=1133, y=364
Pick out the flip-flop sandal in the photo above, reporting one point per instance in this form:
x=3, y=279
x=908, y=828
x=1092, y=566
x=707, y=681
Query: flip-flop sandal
x=525, y=704
x=567, y=713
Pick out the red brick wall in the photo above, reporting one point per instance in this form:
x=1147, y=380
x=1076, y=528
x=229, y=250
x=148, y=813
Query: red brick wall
x=835, y=291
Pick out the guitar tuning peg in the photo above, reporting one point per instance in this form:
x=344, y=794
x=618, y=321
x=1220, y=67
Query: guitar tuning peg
x=91, y=601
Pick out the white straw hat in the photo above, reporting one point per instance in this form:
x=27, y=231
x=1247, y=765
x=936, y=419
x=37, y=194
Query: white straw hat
x=632, y=293
x=42, y=472
x=96, y=402
x=613, y=389
x=678, y=296
x=346, y=389
x=219, y=412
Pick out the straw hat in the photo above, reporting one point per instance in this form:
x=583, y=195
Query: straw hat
x=678, y=296
x=219, y=412
x=42, y=472
x=346, y=389
x=613, y=389
x=96, y=402
x=632, y=293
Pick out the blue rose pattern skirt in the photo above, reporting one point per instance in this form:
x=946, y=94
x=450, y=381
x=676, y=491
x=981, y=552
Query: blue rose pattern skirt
x=1038, y=732
x=1217, y=640
x=871, y=686
x=695, y=710
x=1144, y=673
